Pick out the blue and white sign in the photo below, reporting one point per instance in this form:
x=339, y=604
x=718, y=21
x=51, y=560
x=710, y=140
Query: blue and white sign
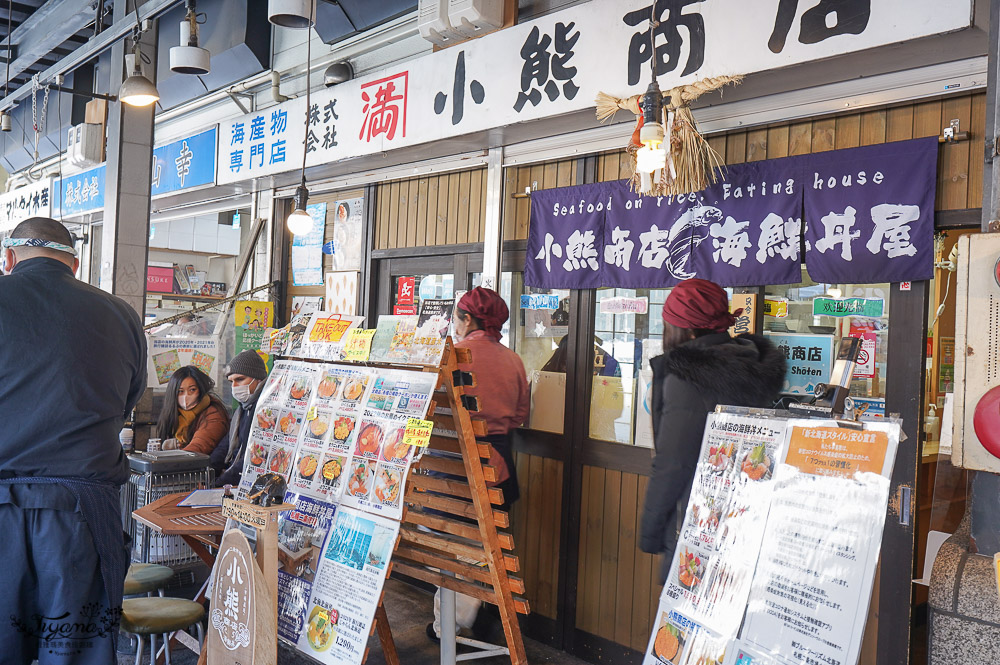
x=809, y=358
x=540, y=301
x=80, y=193
x=189, y=162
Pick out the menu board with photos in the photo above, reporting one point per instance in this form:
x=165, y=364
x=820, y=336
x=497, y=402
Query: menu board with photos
x=335, y=433
x=765, y=572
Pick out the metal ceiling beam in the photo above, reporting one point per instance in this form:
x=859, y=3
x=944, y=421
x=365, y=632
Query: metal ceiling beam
x=48, y=27
x=93, y=48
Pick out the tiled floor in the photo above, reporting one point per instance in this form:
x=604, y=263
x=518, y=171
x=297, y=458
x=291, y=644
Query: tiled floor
x=409, y=611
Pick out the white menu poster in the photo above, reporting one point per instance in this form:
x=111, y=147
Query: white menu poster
x=347, y=588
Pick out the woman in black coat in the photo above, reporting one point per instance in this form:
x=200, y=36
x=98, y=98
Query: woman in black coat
x=702, y=366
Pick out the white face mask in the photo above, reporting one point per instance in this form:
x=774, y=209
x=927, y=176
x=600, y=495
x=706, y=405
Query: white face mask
x=242, y=394
x=187, y=403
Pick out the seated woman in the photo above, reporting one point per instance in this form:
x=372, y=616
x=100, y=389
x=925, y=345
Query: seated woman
x=191, y=414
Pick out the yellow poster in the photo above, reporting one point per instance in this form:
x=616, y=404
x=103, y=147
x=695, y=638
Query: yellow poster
x=252, y=318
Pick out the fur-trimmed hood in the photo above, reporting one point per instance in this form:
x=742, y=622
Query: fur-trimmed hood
x=747, y=370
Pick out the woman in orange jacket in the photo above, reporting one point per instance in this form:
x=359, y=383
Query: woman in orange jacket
x=192, y=414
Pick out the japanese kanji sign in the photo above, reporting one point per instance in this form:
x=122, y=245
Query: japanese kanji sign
x=32, y=200
x=557, y=64
x=81, y=193
x=809, y=360
x=183, y=164
x=750, y=228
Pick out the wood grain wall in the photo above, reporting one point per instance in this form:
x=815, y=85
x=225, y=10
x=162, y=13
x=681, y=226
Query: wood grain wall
x=445, y=209
x=516, y=211
x=535, y=523
x=618, y=586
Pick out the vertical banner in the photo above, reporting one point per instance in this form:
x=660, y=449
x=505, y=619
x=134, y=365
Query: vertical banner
x=252, y=318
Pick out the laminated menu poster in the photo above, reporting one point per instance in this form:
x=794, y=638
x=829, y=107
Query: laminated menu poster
x=813, y=584
x=393, y=339
x=433, y=324
x=779, y=545
x=169, y=354
x=301, y=535
x=347, y=588
x=709, y=580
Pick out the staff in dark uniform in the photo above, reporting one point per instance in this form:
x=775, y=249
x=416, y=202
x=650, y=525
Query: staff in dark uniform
x=72, y=364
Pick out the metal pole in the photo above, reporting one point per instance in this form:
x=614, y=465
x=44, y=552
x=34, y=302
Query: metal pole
x=991, y=172
x=493, y=233
x=449, y=631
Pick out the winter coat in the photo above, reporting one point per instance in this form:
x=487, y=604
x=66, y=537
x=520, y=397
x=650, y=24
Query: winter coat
x=209, y=429
x=688, y=382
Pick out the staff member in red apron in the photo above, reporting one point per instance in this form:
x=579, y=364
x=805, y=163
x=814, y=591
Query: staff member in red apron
x=72, y=364
x=502, y=389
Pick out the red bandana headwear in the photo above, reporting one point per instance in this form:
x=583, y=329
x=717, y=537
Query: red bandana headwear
x=700, y=305
x=487, y=306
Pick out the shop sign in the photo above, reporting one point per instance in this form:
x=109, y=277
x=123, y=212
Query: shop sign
x=624, y=305
x=557, y=65
x=81, y=193
x=776, y=307
x=745, y=303
x=184, y=164
x=747, y=229
x=809, y=359
x=540, y=301
x=34, y=200
x=405, y=290
x=404, y=310
x=160, y=279
x=867, y=307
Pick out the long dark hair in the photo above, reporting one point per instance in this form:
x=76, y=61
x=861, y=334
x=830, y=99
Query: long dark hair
x=674, y=336
x=168, y=414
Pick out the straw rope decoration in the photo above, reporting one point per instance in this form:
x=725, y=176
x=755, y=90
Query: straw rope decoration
x=691, y=161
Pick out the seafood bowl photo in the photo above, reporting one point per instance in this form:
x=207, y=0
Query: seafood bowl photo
x=319, y=425
x=267, y=418
x=281, y=458
x=393, y=448
x=668, y=643
x=360, y=481
x=300, y=389
x=369, y=440
x=320, y=628
x=690, y=569
x=757, y=465
x=342, y=428
x=258, y=453
x=306, y=468
x=720, y=458
x=332, y=470
x=355, y=388
x=289, y=424
x=327, y=388
x=387, y=485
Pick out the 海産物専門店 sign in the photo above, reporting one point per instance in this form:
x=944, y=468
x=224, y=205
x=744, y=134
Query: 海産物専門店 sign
x=864, y=215
x=556, y=65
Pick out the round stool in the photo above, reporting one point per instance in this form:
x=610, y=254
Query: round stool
x=145, y=578
x=159, y=616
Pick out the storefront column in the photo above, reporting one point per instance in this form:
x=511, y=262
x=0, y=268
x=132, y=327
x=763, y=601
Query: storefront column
x=991, y=190
x=125, y=238
x=493, y=228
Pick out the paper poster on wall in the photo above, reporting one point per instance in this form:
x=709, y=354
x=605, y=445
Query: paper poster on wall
x=347, y=234
x=301, y=534
x=814, y=577
x=342, y=292
x=252, y=318
x=307, y=250
x=347, y=588
x=168, y=354
x=548, y=322
x=433, y=324
x=644, y=409
x=306, y=305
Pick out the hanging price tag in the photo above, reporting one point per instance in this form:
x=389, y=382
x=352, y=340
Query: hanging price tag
x=418, y=432
x=311, y=414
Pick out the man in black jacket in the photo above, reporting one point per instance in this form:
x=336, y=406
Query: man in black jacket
x=702, y=366
x=247, y=372
x=72, y=365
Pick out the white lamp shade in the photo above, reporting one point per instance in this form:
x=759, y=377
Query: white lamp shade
x=300, y=223
x=297, y=14
x=648, y=160
x=137, y=90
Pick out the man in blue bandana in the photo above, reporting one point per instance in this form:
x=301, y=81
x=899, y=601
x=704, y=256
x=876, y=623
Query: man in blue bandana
x=72, y=365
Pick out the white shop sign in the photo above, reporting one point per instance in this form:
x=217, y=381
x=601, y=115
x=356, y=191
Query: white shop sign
x=557, y=64
x=34, y=200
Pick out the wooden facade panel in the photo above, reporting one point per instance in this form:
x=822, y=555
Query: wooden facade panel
x=736, y=148
x=591, y=523
x=953, y=158
x=756, y=145
x=976, y=156
x=848, y=131
x=873, y=127
x=431, y=210
x=535, y=521
x=626, y=549
x=609, y=553
x=899, y=123
x=545, y=176
x=777, y=142
x=927, y=119
x=800, y=138
x=824, y=134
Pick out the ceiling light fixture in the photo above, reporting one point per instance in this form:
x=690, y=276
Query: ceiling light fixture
x=188, y=57
x=337, y=73
x=652, y=156
x=297, y=14
x=137, y=90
